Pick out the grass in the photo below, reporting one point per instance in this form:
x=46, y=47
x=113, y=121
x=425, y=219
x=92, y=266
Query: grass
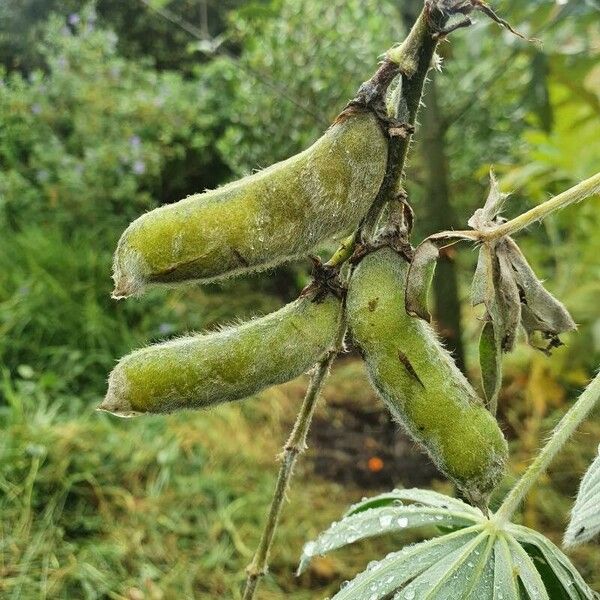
x=160, y=508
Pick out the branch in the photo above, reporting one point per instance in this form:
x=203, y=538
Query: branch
x=295, y=445
x=414, y=58
x=215, y=46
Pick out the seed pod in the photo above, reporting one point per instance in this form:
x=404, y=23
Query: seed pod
x=261, y=220
x=231, y=364
x=419, y=381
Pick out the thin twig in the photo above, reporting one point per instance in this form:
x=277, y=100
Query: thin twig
x=295, y=445
x=483, y=90
x=216, y=48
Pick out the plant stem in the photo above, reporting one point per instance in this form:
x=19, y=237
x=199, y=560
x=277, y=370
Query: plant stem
x=414, y=58
x=563, y=431
x=344, y=252
x=581, y=191
x=294, y=446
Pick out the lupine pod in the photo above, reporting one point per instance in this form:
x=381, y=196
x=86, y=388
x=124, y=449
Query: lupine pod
x=261, y=220
x=418, y=380
x=199, y=371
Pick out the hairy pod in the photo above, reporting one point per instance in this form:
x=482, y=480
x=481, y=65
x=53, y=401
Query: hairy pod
x=261, y=220
x=203, y=370
x=419, y=381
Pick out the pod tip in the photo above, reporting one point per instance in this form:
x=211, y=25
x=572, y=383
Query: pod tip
x=114, y=402
x=128, y=272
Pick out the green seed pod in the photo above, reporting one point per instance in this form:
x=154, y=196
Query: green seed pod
x=261, y=220
x=419, y=381
x=203, y=370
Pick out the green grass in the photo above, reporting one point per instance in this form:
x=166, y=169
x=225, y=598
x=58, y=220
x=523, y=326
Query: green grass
x=160, y=508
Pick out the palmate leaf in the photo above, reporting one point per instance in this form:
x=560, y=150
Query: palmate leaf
x=585, y=516
x=477, y=559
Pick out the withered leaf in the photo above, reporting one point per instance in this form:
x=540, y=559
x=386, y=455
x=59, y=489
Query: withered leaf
x=507, y=306
x=482, y=288
x=544, y=313
x=422, y=269
x=486, y=216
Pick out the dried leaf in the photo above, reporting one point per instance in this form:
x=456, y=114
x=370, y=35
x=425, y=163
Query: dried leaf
x=506, y=313
x=422, y=269
x=494, y=205
x=545, y=313
x=482, y=287
x=419, y=279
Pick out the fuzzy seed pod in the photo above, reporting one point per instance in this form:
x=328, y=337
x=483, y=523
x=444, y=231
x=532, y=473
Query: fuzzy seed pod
x=261, y=220
x=419, y=381
x=203, y=370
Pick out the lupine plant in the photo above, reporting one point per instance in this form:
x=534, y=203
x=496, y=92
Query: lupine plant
x=372, y=291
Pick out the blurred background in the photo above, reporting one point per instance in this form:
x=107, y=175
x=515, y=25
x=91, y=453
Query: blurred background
x=110, y=108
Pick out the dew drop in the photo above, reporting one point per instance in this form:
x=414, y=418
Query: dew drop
x=385, y=520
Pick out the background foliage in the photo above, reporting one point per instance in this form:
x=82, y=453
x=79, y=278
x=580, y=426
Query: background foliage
x=108, y=110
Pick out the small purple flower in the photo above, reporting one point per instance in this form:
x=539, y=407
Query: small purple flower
x=139, y=167
x=36, y=109
x=166, y=328
x=135, y=141
x=43, y=175
x=74, y=19
x=62, y=62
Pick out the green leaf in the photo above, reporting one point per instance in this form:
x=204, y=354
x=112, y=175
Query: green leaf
x=528, y=574
x=386, y=576
x=490, y=362
x=451, y=577
x=585, y=516
x=378, y=521
x=561, y=566
x=505, y=584
x=423, y=497
x=482, y=561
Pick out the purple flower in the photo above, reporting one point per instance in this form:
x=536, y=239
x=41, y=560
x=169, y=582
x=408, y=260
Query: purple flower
x=166, y=328
x=36, y=109
x=139, y=167
x=73, y=19
x=135, y=141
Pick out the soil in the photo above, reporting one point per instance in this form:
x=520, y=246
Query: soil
x=353, y=439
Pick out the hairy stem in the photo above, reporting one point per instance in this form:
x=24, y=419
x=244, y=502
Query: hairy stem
x=581, y=191
x=563, y=431
x=294, y=446
x=344, y=252
x=414, y=58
